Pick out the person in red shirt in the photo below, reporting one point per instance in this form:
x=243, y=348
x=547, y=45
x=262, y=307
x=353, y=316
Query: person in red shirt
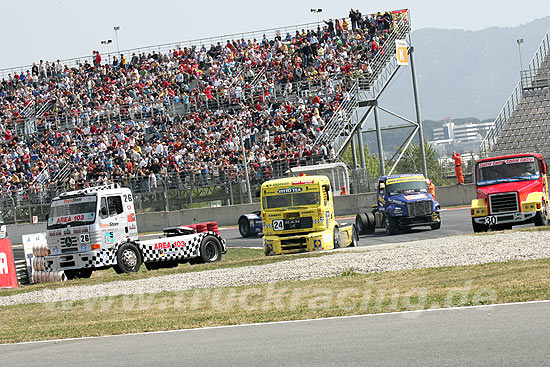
x=458, y=168
x=97, y=61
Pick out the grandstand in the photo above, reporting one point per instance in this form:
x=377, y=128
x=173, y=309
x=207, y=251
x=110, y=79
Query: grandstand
x=523, y=125
x=175, y=116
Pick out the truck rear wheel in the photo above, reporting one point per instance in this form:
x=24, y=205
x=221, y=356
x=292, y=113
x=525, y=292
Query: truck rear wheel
x=390, y=224
x=479, y=227
x=128, y=259
x=362, y=223
x=337, y=238
x=541, y=218
x=244, y=227
x=210, y=250
x=372, y=223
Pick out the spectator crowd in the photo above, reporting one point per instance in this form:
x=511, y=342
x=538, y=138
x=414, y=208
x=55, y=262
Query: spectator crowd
x=186, y=113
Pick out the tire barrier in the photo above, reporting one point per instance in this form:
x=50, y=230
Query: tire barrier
x=212, y=227
x=40, y=275
x=204, y=227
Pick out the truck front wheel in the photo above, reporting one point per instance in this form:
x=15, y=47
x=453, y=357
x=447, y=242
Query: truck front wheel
x=435, y=226
x=390, y=224
x=479, y=227
x=128, y=259
x=337, y=239
x=210, y=250
x=541, y=218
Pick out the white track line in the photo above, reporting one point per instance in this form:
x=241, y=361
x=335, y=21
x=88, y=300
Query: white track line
x=284, y=322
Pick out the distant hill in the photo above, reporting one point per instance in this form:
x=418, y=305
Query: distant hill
x=464, y=73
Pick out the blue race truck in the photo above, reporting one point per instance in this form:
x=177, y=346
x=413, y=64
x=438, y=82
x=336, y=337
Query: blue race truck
x=250, y=225
x=403, y=202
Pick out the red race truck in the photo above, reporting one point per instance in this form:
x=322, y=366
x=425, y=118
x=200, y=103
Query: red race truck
x=511, y=190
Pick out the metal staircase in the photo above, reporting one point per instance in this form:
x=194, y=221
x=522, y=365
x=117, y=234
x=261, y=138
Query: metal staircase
x=350, y=116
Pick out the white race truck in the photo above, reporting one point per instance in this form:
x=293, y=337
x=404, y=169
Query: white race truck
x=96, y=228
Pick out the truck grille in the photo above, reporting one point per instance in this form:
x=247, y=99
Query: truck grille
x=419, y=208
x=68, y=244
x=298, y=223
x=503, y=203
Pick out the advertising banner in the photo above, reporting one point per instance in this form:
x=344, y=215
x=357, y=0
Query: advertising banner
x=402, y=53
x=8, y=276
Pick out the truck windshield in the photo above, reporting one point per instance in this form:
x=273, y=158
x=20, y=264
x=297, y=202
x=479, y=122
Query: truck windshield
x=286, y=200
x=407, y=187
x=507, y=170
x=72, y=211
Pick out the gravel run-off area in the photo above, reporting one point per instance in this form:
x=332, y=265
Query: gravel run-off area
x=450, y=251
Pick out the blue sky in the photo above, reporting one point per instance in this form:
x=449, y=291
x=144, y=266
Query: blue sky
x=52, y=29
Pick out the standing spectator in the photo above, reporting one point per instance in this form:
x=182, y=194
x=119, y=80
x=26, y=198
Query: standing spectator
x=330, y=25
x=458, y=168
x=353, y=19
x=97, y=60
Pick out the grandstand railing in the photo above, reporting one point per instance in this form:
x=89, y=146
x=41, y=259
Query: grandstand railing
x=517, y=93
x=532, y=79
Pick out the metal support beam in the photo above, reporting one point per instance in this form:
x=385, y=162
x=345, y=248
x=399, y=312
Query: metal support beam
x=379, y=142
x=361, y=146
x=353, y=152
x=398, y=116
x=418, y=117
x=403, y=148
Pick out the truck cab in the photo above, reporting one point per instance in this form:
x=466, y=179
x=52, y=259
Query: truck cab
x=298, y=215
x=403, y=202
x=85, y=226
x=511, y=190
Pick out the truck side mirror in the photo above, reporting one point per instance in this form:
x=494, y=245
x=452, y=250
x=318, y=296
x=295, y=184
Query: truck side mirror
x=543, y=167
x=104, y=212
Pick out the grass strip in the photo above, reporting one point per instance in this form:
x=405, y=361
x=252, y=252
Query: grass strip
x=348, y=294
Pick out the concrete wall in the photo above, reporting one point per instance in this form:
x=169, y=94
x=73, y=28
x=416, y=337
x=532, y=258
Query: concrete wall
x=228, y=215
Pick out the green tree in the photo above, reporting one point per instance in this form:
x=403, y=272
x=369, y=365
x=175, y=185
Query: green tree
x=411, y=162
x=372, y=163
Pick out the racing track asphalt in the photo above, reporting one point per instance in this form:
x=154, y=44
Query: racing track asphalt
x=455, y=221
x=500, y=335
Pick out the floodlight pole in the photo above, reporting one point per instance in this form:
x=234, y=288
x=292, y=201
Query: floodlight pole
x=245, y=164
x=379, y=140
x=117, y=28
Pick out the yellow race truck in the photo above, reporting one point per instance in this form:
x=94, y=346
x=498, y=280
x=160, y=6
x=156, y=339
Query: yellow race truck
x=298, y=216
